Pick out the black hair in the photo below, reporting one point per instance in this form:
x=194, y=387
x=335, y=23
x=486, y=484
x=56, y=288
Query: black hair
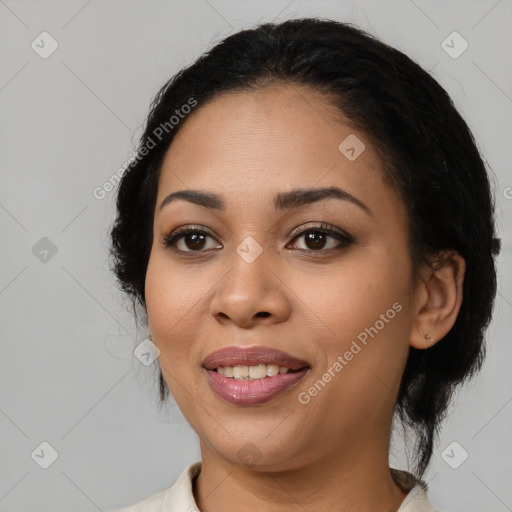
x=428, y=154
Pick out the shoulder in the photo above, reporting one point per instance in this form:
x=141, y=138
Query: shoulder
x=153, y=503
x=178, y=497
x=416, y=499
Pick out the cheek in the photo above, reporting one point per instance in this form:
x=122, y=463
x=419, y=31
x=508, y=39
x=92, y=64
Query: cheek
x=172, y=304
x=361, y=287
x=170, y=300
x=363, y=302
x=364, y=309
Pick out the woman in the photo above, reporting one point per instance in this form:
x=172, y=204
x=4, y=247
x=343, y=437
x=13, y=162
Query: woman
x=309, y=228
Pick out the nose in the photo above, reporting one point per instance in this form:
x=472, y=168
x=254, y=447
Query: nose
x=251, y=293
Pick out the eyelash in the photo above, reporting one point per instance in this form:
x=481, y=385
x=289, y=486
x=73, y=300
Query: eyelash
x=344, y=238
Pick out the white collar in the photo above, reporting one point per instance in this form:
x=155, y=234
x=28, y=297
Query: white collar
x=180, y=496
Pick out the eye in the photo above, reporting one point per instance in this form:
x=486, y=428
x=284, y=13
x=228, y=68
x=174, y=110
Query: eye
x=187, y=239
x=191, y=239
x=316, y=238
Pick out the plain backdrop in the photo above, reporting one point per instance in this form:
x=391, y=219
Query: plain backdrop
x=76, y=79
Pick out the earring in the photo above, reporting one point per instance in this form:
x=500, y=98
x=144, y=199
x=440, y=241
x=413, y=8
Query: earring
x=429, y=338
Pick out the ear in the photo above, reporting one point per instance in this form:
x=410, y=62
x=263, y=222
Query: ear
x=438, y=298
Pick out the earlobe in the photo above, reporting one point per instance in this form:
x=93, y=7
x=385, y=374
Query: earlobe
x=438, y=299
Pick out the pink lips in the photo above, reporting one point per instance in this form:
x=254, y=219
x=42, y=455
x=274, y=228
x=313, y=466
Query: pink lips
x=252, y=392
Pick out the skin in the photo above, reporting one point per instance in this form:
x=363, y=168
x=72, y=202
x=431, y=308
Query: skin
x=331, y=453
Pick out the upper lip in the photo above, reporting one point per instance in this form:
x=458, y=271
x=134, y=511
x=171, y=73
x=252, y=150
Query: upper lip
x=251, y=356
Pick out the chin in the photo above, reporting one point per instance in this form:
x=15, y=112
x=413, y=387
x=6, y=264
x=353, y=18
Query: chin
x=257, y=452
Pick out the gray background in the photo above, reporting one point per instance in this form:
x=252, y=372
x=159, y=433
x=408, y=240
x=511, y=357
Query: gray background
x=68, y=376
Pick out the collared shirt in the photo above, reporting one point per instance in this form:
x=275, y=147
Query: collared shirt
x=180, y=496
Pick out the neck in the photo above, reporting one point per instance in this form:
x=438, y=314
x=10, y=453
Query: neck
x=353, y=482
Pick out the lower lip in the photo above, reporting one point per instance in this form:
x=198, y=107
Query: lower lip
x=252, y=392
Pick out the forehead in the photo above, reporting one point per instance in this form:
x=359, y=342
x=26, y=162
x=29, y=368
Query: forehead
x=251, y=145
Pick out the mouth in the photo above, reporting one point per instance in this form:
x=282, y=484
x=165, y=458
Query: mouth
x=253, y=372
x=260, y=362
x=253, y=375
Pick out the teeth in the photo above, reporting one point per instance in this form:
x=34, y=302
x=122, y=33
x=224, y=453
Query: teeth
x=260, y=371
x=240, y=372
x=272, y=369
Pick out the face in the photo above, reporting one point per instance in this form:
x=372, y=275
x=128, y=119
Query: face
x=326, y=280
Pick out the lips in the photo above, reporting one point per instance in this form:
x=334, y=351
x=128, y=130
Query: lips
x=252, y=392
x=252, y=356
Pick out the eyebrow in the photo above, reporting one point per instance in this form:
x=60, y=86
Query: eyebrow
x=295, y=198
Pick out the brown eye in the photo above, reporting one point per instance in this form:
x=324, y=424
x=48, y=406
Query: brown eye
x=316, y=239
x=194, y=241
x=187, y=240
